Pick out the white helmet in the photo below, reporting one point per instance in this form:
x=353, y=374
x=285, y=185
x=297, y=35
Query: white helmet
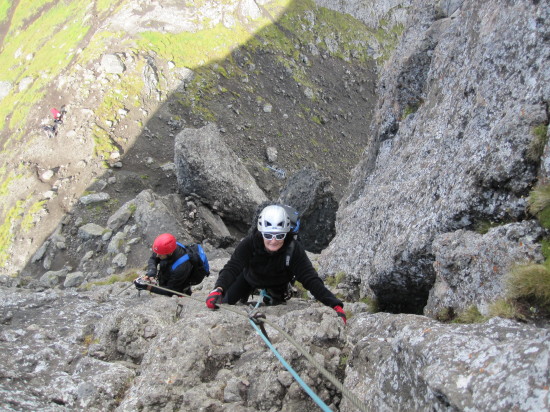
x=274, y=219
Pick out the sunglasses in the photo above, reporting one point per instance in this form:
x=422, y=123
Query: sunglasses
x=277, y=236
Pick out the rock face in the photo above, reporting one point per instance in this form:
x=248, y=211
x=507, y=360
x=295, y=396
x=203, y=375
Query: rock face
x=111, y=349
x=116, y=350
x=209, y=169
x=451, y=146
x=471, y=268
x=415, y=363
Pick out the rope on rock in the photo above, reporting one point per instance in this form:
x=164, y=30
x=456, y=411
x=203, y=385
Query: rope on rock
x=262, y=319
x=257, y=320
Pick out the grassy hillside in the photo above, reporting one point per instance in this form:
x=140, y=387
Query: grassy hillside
x=50, y=48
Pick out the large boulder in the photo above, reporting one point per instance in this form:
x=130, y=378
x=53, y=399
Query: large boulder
x=208, y=168
x=312, y=195
x=154, y=214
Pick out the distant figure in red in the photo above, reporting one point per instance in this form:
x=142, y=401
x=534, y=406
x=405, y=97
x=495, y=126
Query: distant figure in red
x=57, y=115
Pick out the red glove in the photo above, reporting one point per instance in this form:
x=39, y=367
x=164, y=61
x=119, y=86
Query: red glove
x=214, y=299
x=340, y=311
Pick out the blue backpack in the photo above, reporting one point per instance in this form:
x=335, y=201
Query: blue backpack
x=294, y=216
x=194, y=254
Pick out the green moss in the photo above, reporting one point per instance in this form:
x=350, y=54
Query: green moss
x=302, y=292
x=316, y=119
x=199, y=92
x=5, y=6
x=103, y=144
x=28, y=222
x=539, y=204
x=410, y=109
x=445, y=315
x=8, y=181
x=122, y=96
x=104, y=6
x=470, y=315
x=24, y=9
x=112, y=204
x=536, y=149
x=372, y=304
x=505, y=308
x=333, y=281
x=482, y=227
x=343, y=361
x=539, y=198
x=127, y=276
x=6, y=229
x=530, y=283
x=89, y=340
x=99, y=44
x=197, y=49
x=545, y=249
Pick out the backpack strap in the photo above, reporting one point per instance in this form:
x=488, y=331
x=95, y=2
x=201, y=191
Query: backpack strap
x=182, y=259
x=290, y=251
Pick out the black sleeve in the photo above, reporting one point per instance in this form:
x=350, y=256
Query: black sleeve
x=178, y=279
x=152, y=265
x=305, y=273
x=236, y=264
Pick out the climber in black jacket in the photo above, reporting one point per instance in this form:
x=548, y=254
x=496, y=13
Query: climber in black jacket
x=259, y=262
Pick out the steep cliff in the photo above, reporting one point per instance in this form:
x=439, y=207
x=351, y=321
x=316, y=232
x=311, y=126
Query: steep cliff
x=452, y=145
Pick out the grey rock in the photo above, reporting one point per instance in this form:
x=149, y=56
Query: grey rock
x=490, y=366
x=313, y=196
x=120, y=260
x=74, y=280
x=471, y=268
x=107, y=235
x=40, y=252
x=214, y=222
x=25, y=83
x=90, y=230
x=206, y=166
x=122, y=215
x=111, y=63
x=271, y=153
x=116, y=245
x=94, y=198
x=53, y=278
x=87, y=256
x=159, y=214
x=5, y=89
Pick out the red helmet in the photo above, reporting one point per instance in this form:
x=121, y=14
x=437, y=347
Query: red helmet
x=164, y=244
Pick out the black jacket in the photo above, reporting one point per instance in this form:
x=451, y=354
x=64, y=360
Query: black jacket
x=178, y=279
x=263, y=269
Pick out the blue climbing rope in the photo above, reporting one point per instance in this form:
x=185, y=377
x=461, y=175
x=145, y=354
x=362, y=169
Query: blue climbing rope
x=308, y=390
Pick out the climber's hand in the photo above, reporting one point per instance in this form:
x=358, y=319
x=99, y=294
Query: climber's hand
x=214, y=299
x=340, y=311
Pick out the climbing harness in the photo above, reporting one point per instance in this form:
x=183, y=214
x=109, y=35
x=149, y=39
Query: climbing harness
x=257, y=318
